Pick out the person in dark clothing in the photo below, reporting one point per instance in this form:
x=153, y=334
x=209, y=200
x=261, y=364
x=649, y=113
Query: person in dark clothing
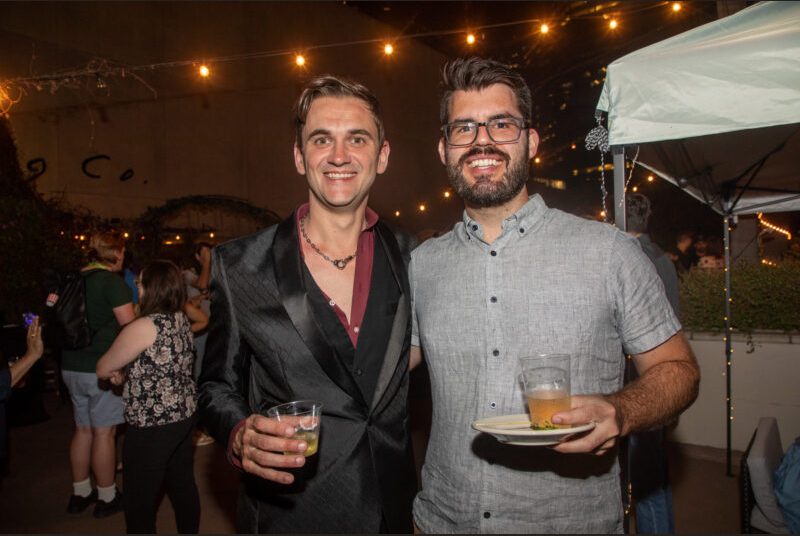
x=11, y=374
x=317, y=307
x=646, y=450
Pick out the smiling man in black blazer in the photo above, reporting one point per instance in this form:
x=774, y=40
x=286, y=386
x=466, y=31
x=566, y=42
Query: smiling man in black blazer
x=317, y=307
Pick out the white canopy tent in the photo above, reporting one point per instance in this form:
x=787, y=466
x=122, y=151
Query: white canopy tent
x=716, y=111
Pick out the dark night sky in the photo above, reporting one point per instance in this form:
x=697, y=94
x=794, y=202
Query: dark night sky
x=565, y=72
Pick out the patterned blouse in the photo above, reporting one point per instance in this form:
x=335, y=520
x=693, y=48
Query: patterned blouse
x=160, y=388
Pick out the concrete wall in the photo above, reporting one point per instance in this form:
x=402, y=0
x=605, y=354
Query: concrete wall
x=765, y=382
x=230, y=134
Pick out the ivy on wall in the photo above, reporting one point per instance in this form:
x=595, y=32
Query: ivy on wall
x=764, y=298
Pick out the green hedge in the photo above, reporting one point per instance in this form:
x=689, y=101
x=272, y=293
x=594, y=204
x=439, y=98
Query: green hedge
x=764, y=297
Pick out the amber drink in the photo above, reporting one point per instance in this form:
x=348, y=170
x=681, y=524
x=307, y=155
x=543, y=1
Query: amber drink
x=546, y=385
x=305, y=416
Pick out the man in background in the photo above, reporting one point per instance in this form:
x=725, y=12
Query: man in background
x=647, y=456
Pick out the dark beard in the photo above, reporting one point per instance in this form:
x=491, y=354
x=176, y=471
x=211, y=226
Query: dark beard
x=485, y=193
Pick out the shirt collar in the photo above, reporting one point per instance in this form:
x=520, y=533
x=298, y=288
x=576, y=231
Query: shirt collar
x=525, y=219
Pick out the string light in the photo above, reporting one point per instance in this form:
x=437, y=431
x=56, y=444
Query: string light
x=397, y=213
x=211, y=235
x=676, y=6
x=650, y=178
x=447, y=195
x=768, y=262
x=125, y=235
x=388, y=49
x=99, y=72
x=635, y=189
x=602, y=213
x=422, y=208
x=537, y=160
x=773, y=227
x=177, y=237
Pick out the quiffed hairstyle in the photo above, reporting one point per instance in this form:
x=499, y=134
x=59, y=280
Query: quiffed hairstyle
x=637, y=213
x=164, y=288
x=104, y=247
x=473, y=74
x=332, y=86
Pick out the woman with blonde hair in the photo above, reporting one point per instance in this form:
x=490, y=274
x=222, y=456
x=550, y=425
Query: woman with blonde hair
x=97, y=409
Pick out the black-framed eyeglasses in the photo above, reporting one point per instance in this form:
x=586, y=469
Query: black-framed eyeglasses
x=500, y=130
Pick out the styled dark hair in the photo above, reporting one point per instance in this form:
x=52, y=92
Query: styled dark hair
x=164, y=289
x=637, y=213
x=104, y=246
x=473, y=74
x=332, y=86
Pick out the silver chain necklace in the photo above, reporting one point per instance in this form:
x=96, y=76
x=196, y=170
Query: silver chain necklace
x=341, y=264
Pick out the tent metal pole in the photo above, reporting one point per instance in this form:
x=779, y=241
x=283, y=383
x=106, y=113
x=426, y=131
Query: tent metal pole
x=618, y=152
x=726, y=233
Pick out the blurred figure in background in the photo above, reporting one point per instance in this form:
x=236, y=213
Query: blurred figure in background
x=646, y=450
x=10, y=374
x=196, y=274
x=684, y=250
x=156, y=350
x=98, y=410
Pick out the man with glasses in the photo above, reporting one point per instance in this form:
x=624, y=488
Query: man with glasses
x=516, y=278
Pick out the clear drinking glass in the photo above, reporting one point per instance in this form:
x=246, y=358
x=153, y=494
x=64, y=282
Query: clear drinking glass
x=545, y=379
x=305, y=416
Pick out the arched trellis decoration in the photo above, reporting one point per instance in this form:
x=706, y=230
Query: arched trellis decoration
x=148, y=230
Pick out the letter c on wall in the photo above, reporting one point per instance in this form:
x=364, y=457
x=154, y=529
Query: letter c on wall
x=86, y=162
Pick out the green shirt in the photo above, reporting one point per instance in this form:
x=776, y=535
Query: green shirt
x=104, y=291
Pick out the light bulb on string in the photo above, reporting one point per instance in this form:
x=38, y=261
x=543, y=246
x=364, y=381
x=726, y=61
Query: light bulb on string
x=650, y=178
x=397, y=213
x=544, y=28
x=204, y=71
x=422, y=208
x=676, y=6
x=613, y=24
x=447, y=195
x=470, y=39
x=388, y=49
x=299, y=60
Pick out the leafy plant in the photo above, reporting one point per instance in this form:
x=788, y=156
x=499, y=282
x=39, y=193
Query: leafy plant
x=764, y=297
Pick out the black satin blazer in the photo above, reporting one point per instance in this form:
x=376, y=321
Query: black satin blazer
x=264, y=348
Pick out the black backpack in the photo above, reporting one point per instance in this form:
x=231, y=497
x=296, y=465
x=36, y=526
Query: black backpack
x=67, y=323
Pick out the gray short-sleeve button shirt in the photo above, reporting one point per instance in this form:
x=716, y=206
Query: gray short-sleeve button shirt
x=563, y=285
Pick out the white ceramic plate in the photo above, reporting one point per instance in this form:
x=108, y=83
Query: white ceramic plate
x=516, y=430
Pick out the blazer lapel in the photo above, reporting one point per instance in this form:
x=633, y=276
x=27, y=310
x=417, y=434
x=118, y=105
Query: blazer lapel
x=296, y=302
x=397, y=339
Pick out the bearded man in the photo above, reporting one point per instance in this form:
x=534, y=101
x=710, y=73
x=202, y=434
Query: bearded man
x=513, y=279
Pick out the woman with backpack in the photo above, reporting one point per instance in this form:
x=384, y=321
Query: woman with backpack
x=98, y=410
x=153, y=356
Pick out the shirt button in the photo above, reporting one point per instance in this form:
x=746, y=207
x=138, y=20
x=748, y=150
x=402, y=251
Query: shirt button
x=356, y=329
x=494, y=253
x=487, y=515
x=521, y=230
x=359, y=372
x=331, y=303
x=493, y=299
x=493, y=405
x=474, y=227
x=495, y=353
